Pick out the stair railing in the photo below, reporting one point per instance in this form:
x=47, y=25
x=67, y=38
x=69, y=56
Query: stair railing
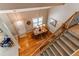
x=66, y=25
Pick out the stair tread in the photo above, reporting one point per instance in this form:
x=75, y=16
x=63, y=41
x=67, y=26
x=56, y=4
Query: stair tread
x=60, y=50
x=76, y=42
x=74, y=34
x=45, y=53
x=52, y=50
x=49, y=52
x=55, y=51
x=68, y=43
x=69, y=52
x=63, y=46
x=41, y=54
x=56, y=48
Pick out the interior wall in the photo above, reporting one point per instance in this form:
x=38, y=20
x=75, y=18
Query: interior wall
x=8, y=51
x=28, y=16
x=4, y=17
x=9, y=28
x=61, y=14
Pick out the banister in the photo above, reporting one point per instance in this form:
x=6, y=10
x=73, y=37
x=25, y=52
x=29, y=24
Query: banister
x=66, y=23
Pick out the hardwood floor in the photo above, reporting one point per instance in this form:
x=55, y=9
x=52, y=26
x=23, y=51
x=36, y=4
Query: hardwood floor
x=30, y=46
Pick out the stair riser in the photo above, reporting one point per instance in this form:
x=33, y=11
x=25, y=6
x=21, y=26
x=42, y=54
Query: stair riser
x=63, y=46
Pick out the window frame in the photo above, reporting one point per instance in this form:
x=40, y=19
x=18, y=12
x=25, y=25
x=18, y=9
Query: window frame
x=38, y=22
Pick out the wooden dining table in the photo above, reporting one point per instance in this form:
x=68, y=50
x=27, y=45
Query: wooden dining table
x=40, y=30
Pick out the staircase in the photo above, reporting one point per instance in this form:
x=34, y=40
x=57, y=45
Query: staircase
x=65, y=45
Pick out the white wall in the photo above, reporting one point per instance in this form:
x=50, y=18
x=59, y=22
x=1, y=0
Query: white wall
x=61, y=14
x=6, y=19
x=13, y=51
x=27, y=16
x=11, y=30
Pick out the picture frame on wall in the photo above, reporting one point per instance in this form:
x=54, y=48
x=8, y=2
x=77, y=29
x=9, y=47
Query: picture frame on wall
x=53, y=22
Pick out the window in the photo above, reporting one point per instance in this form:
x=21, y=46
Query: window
x=37, y=21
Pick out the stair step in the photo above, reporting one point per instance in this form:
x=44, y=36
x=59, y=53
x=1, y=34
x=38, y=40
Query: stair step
x=49, y=52
x=41, y=54
x=55, y=51
x=45, y=53
x=63, y=39
x=57, y=48
x=60, y=50
x=76, y=42
x=65, y=47
x=74, y=34
x=69, y=43
x=52, y=50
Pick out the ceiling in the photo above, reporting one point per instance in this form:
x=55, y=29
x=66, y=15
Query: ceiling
x=10, y=6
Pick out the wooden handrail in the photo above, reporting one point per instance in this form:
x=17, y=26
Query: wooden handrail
x=65, y=24
x=41, y=45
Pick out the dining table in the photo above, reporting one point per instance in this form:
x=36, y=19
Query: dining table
x=40, y=30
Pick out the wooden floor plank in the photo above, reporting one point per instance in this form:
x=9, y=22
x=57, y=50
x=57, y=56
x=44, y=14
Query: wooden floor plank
x=28, y=44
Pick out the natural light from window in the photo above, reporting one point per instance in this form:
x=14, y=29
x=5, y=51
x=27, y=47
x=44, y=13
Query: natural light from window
x=37, y=21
